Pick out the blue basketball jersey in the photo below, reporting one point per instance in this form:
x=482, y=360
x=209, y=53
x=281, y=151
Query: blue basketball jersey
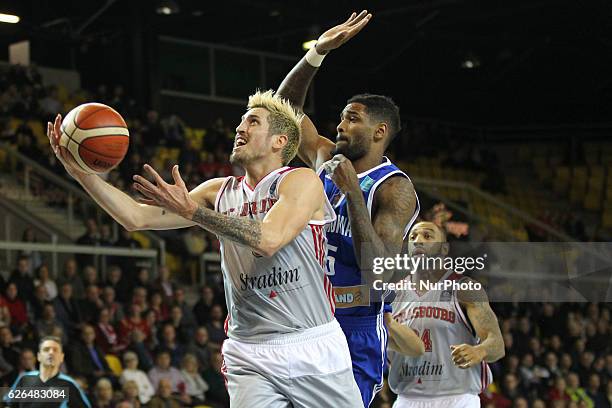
x=353, y=297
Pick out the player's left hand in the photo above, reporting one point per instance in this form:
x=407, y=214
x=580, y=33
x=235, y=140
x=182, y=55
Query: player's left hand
x=466, y=356
x=173, y=197
x=342, y=173
x=338, y=35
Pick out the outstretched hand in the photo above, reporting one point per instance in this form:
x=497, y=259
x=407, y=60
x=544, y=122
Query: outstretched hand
x=173, y=197
x=54, y=133
x=338, y=35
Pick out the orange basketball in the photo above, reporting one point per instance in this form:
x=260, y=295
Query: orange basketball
x=96, y=136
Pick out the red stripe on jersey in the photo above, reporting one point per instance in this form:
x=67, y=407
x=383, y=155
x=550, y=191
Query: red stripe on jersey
x=321, y=245
x=460, y=315
x=315, y=241
x=223, y=366
x=329, y=291
x=226, y=324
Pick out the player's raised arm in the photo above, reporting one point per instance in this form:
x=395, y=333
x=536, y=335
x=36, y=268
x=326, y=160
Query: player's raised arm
x=315, y=149
x=484, y=321
x=300, y=200
x=119, y=205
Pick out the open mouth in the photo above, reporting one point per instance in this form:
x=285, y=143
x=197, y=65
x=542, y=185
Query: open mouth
x=239, y=142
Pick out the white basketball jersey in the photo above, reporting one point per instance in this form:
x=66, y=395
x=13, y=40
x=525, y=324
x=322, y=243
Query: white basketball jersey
x=284, y=293
x=439, y=321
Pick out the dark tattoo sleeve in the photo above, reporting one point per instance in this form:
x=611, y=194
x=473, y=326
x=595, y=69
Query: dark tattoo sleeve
x=383, y=234
x=295, y=85
x=485, y=322
x=243, y=230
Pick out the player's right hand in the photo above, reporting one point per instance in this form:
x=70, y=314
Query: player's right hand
x=338, y=35
x=53, y=133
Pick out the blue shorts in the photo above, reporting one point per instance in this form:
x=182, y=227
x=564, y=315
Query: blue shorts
x=367, y=341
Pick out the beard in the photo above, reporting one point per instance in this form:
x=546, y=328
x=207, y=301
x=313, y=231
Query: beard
x=352, y=150
x=243, y=158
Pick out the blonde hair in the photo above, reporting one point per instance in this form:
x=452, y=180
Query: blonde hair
x=283, y=119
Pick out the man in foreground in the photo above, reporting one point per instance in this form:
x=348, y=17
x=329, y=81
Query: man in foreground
x=285, y=349
x=375, y=203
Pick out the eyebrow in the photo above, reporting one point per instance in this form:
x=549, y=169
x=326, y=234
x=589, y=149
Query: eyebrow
x=349, y=112
x=252, y=115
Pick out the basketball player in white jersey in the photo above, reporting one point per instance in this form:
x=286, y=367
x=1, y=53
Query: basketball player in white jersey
x=459, y=330
x=285, y=348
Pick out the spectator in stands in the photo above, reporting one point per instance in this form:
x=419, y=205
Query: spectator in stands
x=179, y=300
x=575, y=391
x=131, y=394
x=170, y=344
x=199, y=348
x=201, y=310
x=510, y=387
x=584, y=368
x=195, y=244
x=125, y=240
x=195, y=386
x=43, y=279
x=50, y=104
x=137, y=345
x=213, y=376
x=67, y=309
x=106, y=336
x=165, y=285
x=106, y=235
x=131, y=372
x=34, y=256
x=164, y=398
x=153, y=130
x=23, y=279
x=164, y=370
x=46, y=324
x=120, y=286
x=133, y=321
x=27, y=362
x=10, y=352
x=91, y=237
x=17, y=308
x=5, y=313
x=90, y=276
x=143, y=280
x=71, y=276
x=150, y=317
x=156, y=305
x=594, y=392
x=184, y=329
x=115, y=310
x=139, y=297
x=551, y=363
x=567, y=364
x=215, y=327
x=86, y=359
x=92, y=304
x=103, y=394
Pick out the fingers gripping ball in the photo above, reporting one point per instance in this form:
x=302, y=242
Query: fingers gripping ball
x=96, y=136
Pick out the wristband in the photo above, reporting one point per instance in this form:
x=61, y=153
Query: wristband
x=314, y=58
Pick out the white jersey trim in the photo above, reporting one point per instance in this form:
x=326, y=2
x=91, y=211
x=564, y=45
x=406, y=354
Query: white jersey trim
x=220, y=192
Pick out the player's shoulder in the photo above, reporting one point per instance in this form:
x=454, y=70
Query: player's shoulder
x=396, y=186
x=299, y=174
x=471, y=291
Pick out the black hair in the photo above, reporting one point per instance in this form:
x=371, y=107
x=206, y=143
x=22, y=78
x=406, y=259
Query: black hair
x=51, y=338
x=381, y=108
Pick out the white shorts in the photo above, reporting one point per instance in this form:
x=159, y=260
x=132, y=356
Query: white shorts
x=455, y=401
x=311, y=368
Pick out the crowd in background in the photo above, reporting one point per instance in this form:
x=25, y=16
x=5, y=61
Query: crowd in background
x=133, y=338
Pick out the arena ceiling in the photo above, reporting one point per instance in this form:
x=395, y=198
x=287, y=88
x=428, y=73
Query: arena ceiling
x=527, y=61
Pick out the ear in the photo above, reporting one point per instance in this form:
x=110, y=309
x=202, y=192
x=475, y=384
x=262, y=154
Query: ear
x=382, y=129
x=280, y=141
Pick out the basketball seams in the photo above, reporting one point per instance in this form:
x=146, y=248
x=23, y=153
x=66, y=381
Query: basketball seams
x=71, y=138
x=98, y=153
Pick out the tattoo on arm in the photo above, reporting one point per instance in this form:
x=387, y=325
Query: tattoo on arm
x=485, y=322
x=381, y=236
x=295, y=85
x=243, y=230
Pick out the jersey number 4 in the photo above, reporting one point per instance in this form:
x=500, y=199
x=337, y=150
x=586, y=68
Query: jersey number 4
x=426, y=337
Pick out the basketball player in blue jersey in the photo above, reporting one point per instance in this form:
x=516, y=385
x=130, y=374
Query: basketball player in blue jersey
x=374, y=201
